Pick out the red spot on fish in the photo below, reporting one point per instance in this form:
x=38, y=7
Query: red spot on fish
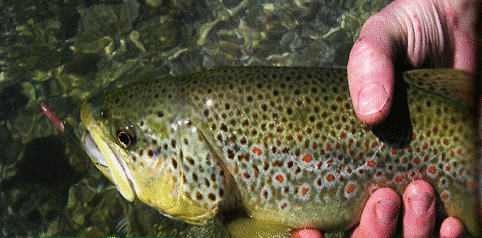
x=447, y=168
x=383, y=147
x=328, y=147
x=425, y=146
x=374, y=144
x=342, y=135
x=444, y=196
x=445, y=141
x=404, y=160
x=398, y=179
x=431, y=170
x=280, y=178
x=257, y=151
x=304, y=191
x=416, y=160
x=435, y=151
x=246, y=175
x=394, y=151
x=413, y=136
x=371, y=163
x=459, y=152
x=330, y=178
x=425, y=158
x=350, y=188
x=307, y=158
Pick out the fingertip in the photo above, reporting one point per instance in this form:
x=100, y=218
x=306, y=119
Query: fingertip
x=370, y=79
x=372, y=103
x=452, y=227
x=306, y=233
x=379, y=215
x=418, y=209
x=418, y=187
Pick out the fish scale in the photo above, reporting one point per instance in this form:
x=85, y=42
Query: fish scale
x=281, y=144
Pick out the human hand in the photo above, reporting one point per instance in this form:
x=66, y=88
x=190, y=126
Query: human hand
x=408, y=34
x=379, y=218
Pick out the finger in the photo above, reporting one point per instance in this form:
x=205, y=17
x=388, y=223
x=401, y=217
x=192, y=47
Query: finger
x=379, y=218
x=418, y=209
x=452, y=227
x=306, y=233
x=371, y=71
x=461, y=21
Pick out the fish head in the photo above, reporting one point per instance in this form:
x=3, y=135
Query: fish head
x=153, y=154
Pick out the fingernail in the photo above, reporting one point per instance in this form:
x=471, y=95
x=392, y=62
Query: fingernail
x=387, y=211
x=420, y=204
x=371, y=99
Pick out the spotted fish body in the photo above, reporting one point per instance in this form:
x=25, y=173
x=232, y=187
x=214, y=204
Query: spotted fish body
x=282, y=144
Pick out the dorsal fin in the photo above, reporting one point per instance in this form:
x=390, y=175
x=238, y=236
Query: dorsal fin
x=454, y=84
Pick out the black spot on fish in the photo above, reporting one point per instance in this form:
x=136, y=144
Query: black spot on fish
x=174, y=163
x=212, y=197
x=264, y=107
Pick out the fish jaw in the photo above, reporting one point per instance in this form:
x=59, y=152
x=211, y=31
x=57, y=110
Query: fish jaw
x=111, y=166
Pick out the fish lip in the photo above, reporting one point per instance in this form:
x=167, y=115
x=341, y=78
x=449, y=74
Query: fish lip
x=91, y=147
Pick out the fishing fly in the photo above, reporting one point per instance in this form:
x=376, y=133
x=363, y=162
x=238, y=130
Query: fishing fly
x=57, y=123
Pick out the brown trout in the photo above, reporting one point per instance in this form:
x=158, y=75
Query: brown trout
x=281, y=148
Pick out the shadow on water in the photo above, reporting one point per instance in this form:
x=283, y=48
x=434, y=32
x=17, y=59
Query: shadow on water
x=43, y=162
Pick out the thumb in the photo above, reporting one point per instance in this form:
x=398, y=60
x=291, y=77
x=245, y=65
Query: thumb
x=371, y=71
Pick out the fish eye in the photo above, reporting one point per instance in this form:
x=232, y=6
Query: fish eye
x=126, y=136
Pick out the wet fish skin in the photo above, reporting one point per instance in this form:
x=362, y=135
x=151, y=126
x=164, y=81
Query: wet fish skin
x=283, y=144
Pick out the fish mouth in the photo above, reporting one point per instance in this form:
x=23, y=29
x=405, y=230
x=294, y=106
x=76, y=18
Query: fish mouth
x=93, y=150
x=104, y=156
